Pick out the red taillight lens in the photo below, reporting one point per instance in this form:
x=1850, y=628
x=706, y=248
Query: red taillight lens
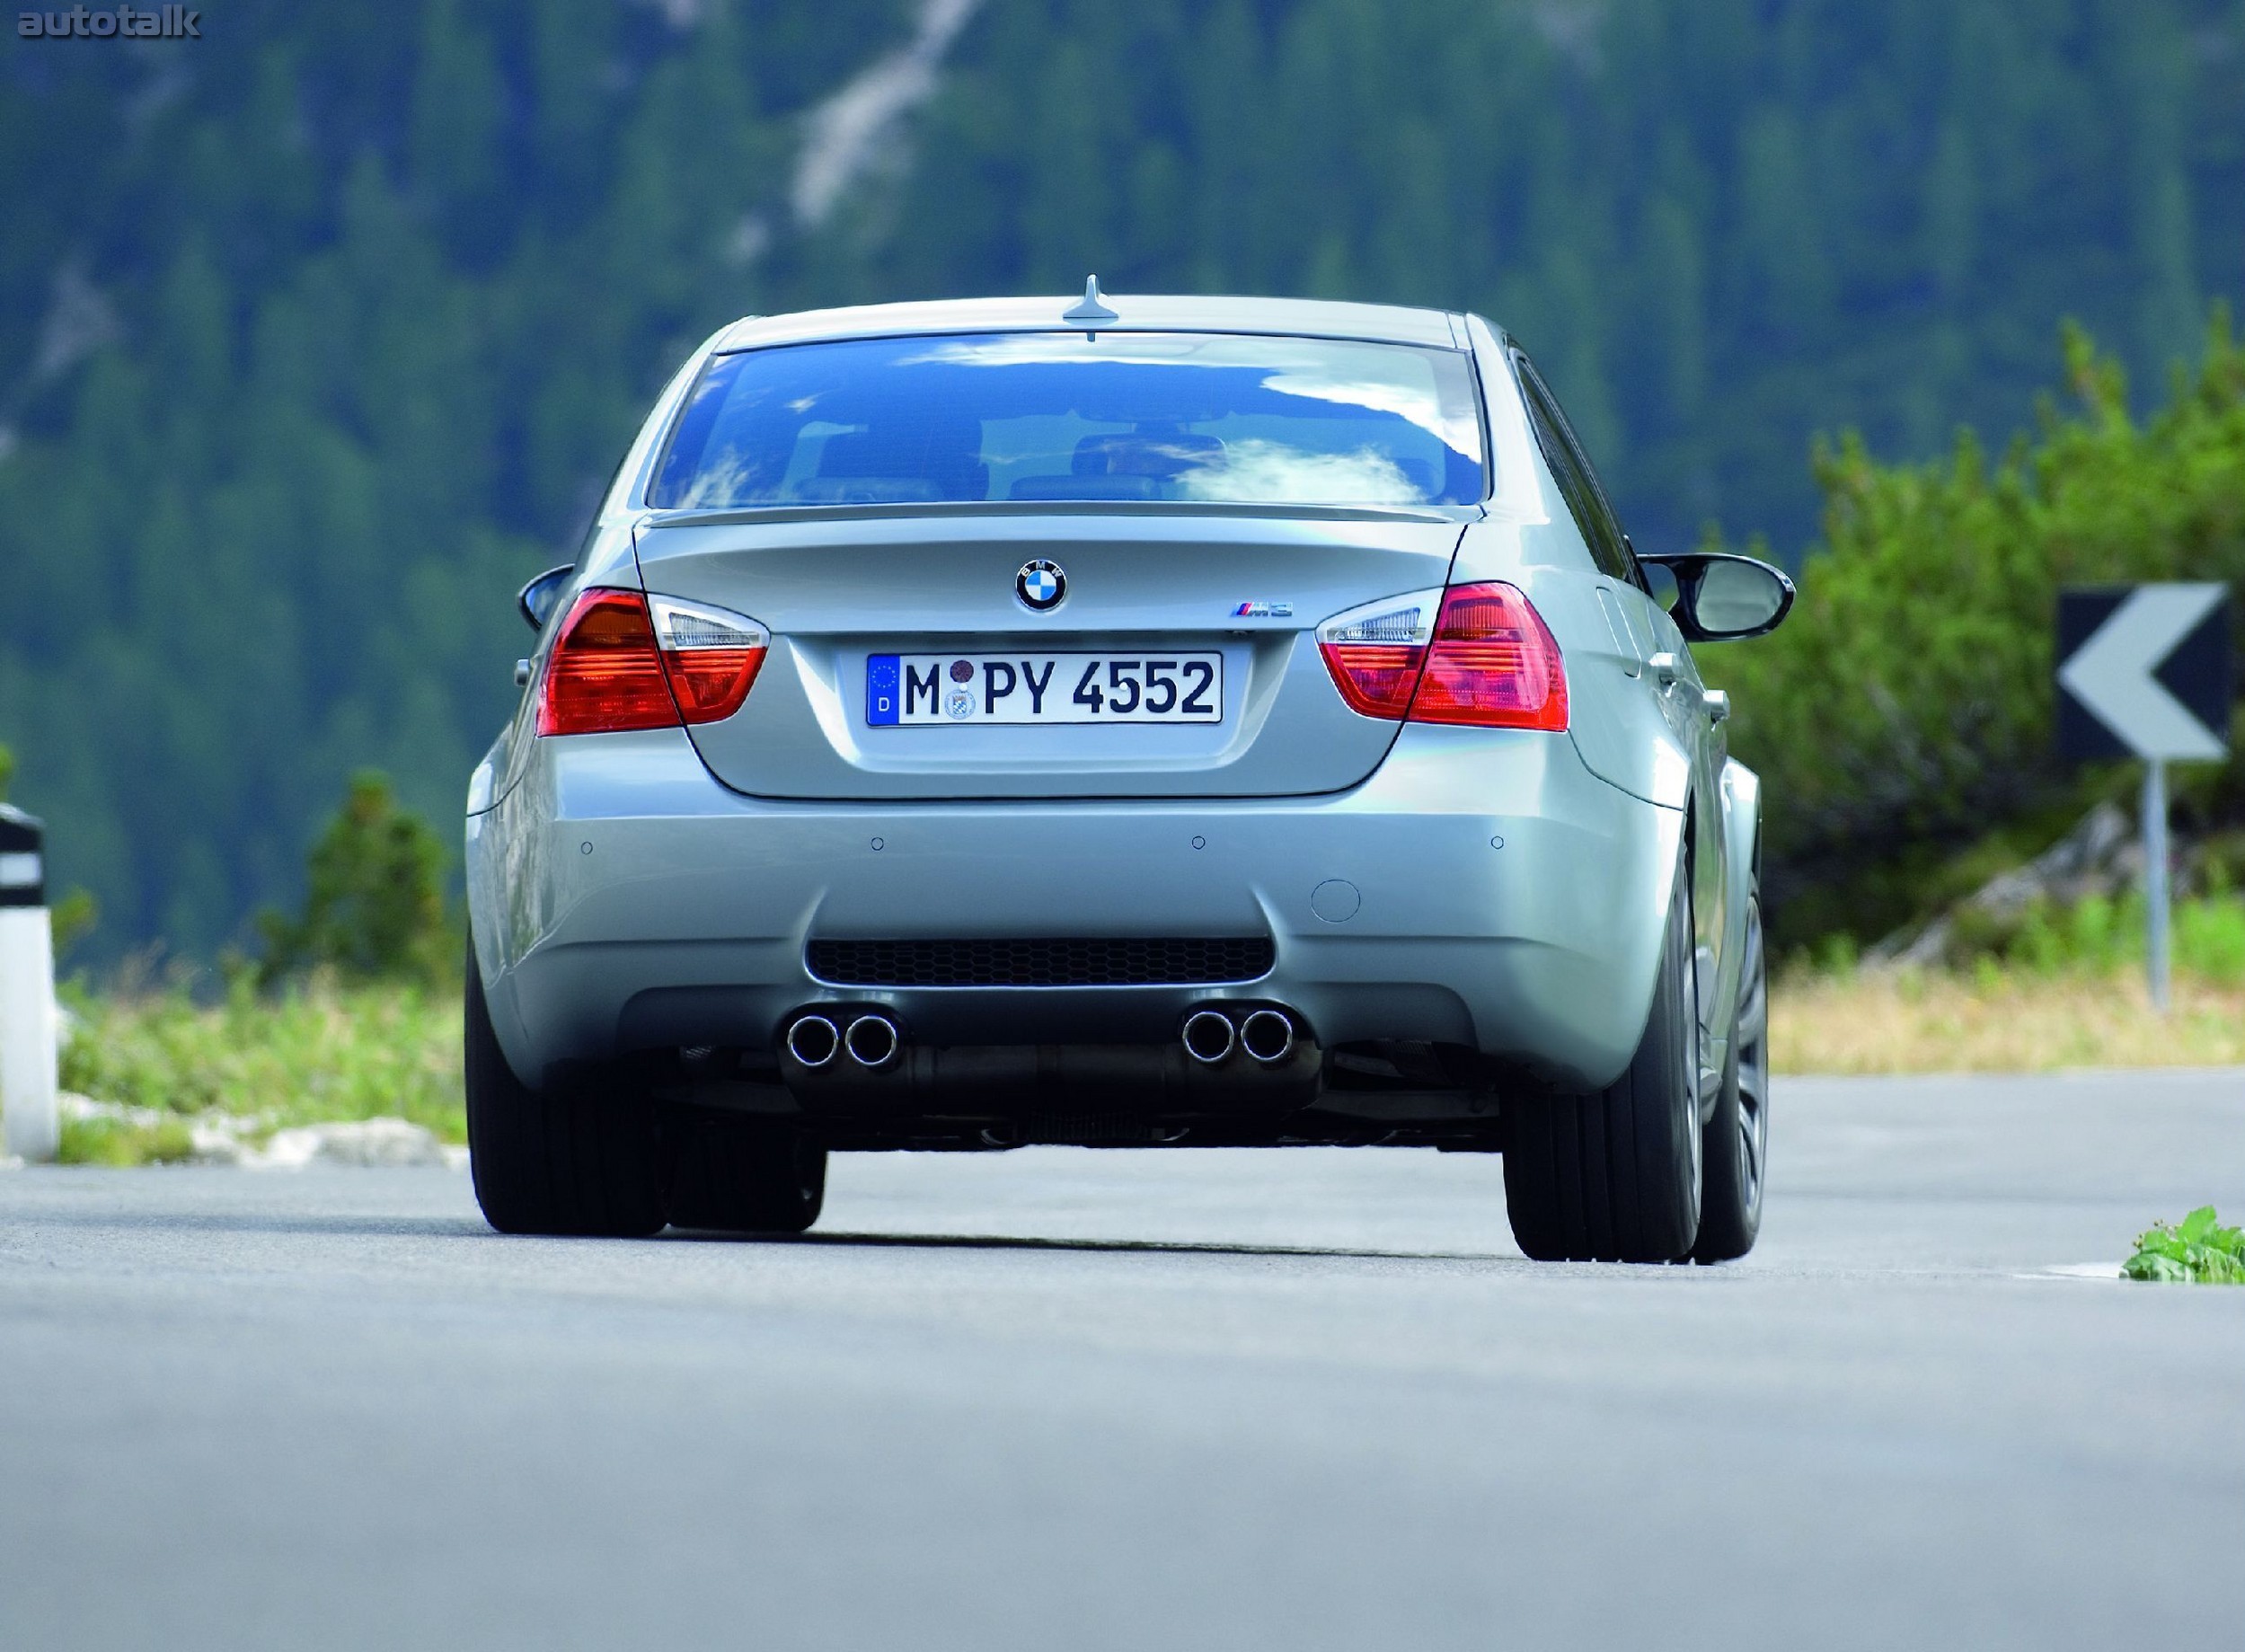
x=1375, y=678
x=711, y=683
x=623, y=662
x=605, y=673
x=1374, y=653
x=1493, y=664
x=712, y=654
x=1487, y=661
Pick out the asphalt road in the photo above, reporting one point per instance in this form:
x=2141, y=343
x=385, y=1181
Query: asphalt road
x=1065, y=1399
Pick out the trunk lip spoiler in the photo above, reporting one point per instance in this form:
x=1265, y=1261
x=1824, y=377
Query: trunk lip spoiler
x=1020, y=509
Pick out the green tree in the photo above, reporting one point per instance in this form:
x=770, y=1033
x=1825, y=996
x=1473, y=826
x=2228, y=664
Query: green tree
x=376, y=906
x=1905, y=708
x=318, y=338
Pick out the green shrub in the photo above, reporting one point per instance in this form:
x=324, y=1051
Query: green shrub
x=374, y=909
x=74, y=917
x=2209, y=939
x=318, y=1051
x=1836, y=953
x=1907, y=704
x=1976, y=934
x=2219, y=860
x=123, y=1143
x=2099, y=935
x=2197, y=1251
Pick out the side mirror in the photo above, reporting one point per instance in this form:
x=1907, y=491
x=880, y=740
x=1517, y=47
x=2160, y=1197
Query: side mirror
x=537, y=598
x=1720, y=597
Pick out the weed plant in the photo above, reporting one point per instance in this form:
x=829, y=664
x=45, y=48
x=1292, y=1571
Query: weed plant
x=2197, y=1251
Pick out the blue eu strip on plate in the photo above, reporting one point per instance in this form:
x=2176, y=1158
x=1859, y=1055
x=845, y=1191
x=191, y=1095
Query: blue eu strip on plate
x=880, y=689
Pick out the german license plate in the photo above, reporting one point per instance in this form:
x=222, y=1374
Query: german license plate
x=916, y=690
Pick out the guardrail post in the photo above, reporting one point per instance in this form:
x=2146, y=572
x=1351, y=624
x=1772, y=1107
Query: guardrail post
x=29, y=1125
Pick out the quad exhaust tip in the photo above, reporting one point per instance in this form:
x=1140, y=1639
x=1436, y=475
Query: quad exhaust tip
x=814, y=1040
x=1209, y=1036
x=872, y=1041
x=1267, y=1035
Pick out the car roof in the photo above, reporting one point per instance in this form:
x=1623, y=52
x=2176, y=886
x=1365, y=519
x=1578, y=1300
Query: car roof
x=1134, y=313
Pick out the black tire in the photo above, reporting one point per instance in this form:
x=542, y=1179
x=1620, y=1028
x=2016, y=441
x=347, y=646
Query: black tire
x=576, y=1162
x=744, y=1175
x=1738, y=1146
x=1616, y=1177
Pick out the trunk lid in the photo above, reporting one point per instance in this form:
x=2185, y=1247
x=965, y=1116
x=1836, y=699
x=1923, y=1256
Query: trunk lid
x=838, y=589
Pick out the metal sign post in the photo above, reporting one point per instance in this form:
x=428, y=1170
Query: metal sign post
x=29, y=1126
x=2144, y=671
x=2155, y=900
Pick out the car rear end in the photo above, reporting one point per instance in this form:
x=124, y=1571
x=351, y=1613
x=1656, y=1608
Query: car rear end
x=964, y=729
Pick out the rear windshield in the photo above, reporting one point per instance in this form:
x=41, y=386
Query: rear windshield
x=1204, y=417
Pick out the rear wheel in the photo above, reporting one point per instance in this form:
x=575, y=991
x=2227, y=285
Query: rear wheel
x=572, y=1161
x=1616, y=1177
x=744, y=1175
x=1738, y=1135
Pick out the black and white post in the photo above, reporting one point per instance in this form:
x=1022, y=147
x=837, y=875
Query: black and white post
x=2144, y=671
x=29, y=1123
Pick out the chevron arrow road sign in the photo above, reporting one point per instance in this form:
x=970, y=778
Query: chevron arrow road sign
x=2144, y=671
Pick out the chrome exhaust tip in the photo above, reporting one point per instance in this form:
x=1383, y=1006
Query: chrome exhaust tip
x=813, y=1040
x=1267, y=1035
x=1209, y=1036
x=872, y=1041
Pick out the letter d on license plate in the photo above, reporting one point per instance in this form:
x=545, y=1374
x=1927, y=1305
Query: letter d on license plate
x=940, y=690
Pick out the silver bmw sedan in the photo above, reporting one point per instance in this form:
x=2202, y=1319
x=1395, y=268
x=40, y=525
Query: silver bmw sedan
x=1131, y=721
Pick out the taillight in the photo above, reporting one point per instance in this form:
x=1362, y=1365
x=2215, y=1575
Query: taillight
x=617, y=666
x=1493, y=665
x=713, y=657
x=1487, y=661
x=605, y=673
x=1375, y=652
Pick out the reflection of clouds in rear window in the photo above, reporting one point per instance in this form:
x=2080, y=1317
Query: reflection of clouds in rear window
x=723, y=482
x=1417, y=403
x=1261, y=472
x=1052, y=416
x=1016, y=349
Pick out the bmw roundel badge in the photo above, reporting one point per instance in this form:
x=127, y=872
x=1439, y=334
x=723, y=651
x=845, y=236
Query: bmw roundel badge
x=1040, y=585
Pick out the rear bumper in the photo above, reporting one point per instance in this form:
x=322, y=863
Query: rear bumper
x=1482, y=889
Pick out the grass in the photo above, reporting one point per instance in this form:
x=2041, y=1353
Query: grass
x=124, y=1142
x=2054, y=987
x=317, y=1053
x=2197, y=1251
x=1996, y=1020
x=2101, y=936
